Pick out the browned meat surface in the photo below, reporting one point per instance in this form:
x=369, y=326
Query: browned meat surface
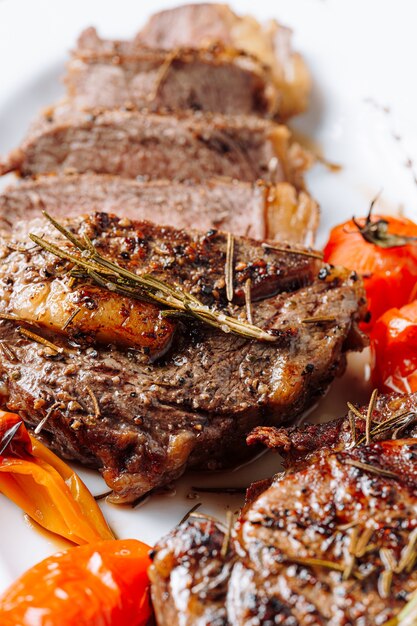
x=194, y=406
x=260, y=210
x=180, y=147
x=115, y=74
x=332, y=541
x=296, y=443
x=205, y=24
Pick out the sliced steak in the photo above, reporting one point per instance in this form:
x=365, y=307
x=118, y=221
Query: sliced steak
x=180, y=147
x=329, y=542
x=194, y=406
x=115, y=74
x=260, y=210
x=201, y=25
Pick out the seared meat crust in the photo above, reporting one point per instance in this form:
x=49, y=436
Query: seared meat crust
x=194, y=406
x=351, y=510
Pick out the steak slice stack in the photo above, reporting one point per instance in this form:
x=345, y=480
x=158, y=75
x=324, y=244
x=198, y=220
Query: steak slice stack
x=178, y=147
x=260, y=210
x=194, y=406
x=331, y=541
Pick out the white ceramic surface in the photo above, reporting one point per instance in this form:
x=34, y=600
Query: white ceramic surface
x=362, y=55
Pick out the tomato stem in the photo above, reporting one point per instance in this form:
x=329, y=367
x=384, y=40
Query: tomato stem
x=377, y=233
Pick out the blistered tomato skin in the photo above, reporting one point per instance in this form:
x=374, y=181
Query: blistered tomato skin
x=394, y=350
x=389, y=273
x=103, y=584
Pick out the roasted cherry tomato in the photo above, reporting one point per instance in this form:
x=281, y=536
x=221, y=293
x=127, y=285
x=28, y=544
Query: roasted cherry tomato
x=101, y=584
x=383, y=250
x=394, y=350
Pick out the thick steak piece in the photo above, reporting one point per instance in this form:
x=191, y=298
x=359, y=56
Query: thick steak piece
x=194, y=406
x=178, y=147
x=205, y=24
x=259, y=210
x=329, y=542
x=115, y=74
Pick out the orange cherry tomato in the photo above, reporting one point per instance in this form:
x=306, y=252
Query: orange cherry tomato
x=101, y=584
x=382, y=250
x=394, y=350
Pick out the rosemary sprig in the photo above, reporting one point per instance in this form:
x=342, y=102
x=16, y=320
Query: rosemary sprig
x=226, y=541
x=94, y=400
x=162, y=73
x=356, y=411
x=228, y=268
x=385, y=578
x=369, y=414
x=409, y=554
x=318, y=320
x=113, y=277
x=308, y=253
x=248, y=300
x=102, y=496
x=71, y=318
x=398, y=421
x=189, y=513
x=8, y=436
x=314, y=562
x=30, y=335
x=209, y=518
x=362, y=545
x=372, y=469
x=56, y=405
x=8, y=352
x=407, y=616
x=352, y=424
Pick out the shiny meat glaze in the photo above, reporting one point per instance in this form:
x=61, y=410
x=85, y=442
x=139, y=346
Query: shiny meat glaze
x=256, y=210
x=184, y=146
x=358, y=520
x=194, y=406
x=117, y=74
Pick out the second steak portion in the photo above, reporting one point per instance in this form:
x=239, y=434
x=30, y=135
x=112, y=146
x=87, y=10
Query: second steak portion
x=142, y=422
x=258, y=210
x=177, y=147
x=330, y=542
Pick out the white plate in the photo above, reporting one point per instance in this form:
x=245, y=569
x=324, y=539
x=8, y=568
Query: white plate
x=362, y=56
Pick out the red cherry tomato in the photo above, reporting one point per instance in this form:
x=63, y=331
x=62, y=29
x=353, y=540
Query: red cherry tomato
x=394, y=350
x=101, y=584
x=389, y=273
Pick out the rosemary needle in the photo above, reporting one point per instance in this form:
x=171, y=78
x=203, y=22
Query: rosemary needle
x=228, y=268
x=30, y=335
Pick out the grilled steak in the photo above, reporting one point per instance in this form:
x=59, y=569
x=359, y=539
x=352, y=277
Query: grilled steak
x=201, y=25
x=332, y=541
x=261, y=210
x=131, y=144
x=193, y=406
x=115, y=74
